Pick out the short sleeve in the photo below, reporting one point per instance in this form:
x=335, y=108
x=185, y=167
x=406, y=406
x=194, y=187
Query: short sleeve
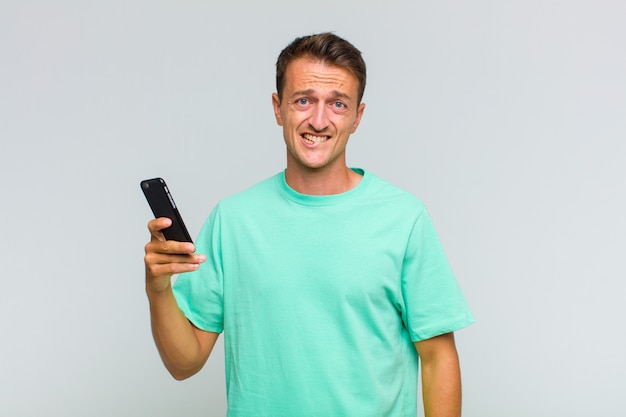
x=433, y=302
x=200, y=294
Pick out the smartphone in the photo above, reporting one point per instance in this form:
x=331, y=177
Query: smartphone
x=163, y=205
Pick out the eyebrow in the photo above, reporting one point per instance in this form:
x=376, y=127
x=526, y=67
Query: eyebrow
x=310, y=91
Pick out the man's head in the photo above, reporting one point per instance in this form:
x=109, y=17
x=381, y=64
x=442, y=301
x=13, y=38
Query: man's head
x=327, y=48
x=320, y=81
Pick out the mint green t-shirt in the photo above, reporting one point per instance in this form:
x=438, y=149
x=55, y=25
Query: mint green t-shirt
x=320, y=298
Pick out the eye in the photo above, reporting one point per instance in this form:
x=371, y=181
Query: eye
x=302, y=101
x=339, y=105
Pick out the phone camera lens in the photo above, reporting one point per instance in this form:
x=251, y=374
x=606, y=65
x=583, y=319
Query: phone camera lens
x=145, y=185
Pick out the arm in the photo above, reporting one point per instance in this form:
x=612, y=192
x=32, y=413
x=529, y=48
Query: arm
x=183, y=347
x=441, y=376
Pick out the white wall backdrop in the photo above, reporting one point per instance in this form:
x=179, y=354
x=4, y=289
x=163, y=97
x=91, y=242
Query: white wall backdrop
x=508, y=118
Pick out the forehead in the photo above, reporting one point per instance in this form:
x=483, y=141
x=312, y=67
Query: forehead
x=307, y=74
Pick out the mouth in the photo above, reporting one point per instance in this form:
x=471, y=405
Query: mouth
x=309, y=138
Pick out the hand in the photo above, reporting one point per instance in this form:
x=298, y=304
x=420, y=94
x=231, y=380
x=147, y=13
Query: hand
x=165, y=258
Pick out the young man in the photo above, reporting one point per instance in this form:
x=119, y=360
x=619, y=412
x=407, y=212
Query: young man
x=326, y=280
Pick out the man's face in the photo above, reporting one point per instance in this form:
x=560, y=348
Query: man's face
x=318, y=111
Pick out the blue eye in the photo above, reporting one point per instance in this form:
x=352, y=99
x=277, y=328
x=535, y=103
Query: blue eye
x=339, y=105
x=303, y=101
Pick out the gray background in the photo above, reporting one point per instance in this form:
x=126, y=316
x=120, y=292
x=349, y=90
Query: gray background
x=507, y=118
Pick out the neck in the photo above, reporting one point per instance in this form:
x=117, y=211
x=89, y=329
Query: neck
x=321, y=181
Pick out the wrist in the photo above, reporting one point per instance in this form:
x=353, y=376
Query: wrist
x=158, y=288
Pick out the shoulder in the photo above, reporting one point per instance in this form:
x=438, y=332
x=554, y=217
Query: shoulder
x=384, y=192
x=255, y=195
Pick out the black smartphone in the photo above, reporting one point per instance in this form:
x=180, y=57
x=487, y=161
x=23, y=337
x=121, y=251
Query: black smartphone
x=163, y=205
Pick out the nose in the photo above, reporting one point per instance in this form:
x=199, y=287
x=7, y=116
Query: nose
x=319, y=118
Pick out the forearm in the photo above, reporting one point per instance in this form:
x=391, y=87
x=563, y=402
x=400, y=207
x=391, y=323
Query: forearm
x=175, y=337
x=441, y=387
x=441, y=376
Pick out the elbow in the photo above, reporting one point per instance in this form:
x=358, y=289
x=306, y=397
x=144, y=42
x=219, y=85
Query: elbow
x=182, y=374
x=179, y=377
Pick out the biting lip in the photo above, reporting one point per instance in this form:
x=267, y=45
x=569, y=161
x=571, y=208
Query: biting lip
x=310, y=138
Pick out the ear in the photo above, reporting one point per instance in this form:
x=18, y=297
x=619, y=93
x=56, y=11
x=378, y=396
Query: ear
x=359, y=114
x=276, y=105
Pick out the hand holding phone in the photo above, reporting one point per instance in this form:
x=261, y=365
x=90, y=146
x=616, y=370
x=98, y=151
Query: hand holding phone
x=163, y=205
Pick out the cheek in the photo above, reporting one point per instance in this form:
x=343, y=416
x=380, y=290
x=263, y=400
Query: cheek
x=296, y=120
x=346, y=126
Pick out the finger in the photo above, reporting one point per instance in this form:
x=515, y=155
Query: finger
x=170, y=247
x=154, y=258
x=168, y=269
x=158, y=264
x=155, y=226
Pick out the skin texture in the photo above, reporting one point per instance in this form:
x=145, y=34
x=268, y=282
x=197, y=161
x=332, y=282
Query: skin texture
x=318, y=111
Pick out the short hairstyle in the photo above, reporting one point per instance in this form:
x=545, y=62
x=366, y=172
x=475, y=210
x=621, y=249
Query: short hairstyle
x=324, y=47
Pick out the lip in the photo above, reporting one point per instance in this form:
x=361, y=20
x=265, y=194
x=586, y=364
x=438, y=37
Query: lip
x=311, y=140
